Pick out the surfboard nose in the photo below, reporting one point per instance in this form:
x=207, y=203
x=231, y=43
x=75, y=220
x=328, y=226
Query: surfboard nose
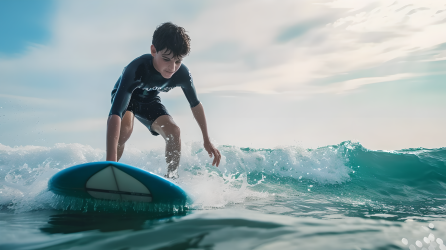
x=115, y=181
x=114, y=184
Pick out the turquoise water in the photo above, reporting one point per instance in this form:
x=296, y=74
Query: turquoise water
x=335, y=197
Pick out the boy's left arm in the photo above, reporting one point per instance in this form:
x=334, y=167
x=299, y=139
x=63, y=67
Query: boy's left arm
x=198, y=112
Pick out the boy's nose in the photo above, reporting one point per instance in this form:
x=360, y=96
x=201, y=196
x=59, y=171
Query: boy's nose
x=172, y=67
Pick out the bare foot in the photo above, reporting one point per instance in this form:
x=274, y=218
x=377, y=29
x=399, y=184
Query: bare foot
x=172, y=175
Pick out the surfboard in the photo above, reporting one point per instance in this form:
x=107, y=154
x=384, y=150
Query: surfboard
x=115, y=181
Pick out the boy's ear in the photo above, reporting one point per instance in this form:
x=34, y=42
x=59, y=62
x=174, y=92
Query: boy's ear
x=152, y=50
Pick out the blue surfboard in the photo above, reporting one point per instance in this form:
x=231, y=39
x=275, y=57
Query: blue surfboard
x=115, y=181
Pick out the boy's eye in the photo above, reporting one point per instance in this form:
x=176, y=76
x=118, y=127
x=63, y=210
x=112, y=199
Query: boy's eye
x=165, y=59
x=178, y=62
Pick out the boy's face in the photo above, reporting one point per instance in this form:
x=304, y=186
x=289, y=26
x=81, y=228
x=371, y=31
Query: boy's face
x=164, y=62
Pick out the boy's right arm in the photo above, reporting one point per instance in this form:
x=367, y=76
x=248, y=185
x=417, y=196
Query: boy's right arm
x=129, y=82
x=130, y=79
x=113, y=130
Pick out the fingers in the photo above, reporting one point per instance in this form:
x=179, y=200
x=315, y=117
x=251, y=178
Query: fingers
x=215, y=160
x=212, y=151
x=217, y=157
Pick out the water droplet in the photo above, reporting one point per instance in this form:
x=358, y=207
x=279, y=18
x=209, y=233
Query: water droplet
x=311, y=186
x=418, y=243
x=439, y=241
x=412, y=247
x=431, y=237
x=431, y=225
x=426, y=240
x=405, y=241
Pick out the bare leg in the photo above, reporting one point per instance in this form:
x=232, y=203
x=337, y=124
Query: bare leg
x=126, y=131
x=166, y=127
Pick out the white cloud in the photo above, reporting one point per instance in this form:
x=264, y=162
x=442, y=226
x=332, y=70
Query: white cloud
x=352, y=4
x=79, y=125
x=363, y=38
x=237, y=46
x=28, y=100
x=359, y=82
x=111, y=34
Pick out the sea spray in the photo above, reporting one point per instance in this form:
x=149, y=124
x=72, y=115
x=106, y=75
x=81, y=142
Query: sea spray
x=347, y=173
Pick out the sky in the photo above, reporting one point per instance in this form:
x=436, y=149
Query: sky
x=269, y=74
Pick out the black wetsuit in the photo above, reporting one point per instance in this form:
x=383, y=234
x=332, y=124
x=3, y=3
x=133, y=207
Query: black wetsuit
x=138, y=87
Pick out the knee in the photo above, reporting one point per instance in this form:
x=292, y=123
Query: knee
x=173, y=132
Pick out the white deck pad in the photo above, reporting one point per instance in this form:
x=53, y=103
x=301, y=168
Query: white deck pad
x=112, y=183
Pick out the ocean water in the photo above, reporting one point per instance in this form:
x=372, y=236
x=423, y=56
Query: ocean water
x=335, y=197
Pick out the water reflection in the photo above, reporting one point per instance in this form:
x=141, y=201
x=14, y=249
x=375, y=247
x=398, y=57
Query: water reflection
x=72, y=222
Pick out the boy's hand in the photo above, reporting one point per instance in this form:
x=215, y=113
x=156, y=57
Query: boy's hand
x=213, y=151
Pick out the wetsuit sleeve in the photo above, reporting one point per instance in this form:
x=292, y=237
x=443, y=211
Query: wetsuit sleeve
x=131, y=78
x=191, y=95
x=187, y=85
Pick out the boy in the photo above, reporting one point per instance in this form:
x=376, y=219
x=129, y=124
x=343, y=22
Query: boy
x=136, y=94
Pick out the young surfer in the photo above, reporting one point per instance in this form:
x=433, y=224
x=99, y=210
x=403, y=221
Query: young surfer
x=136, y=94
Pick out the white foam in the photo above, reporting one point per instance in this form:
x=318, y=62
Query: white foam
x=25, y=171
